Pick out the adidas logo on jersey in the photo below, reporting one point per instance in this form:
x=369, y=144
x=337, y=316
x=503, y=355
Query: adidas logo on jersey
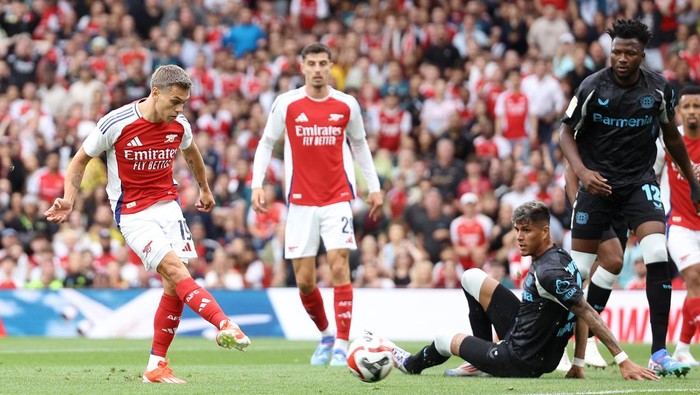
x=135, y=142
x=301, y=118
x=187, y=248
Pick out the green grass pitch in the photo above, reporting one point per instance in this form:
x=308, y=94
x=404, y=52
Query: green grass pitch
x=271, y=366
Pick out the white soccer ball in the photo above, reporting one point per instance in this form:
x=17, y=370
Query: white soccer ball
x=369, y=358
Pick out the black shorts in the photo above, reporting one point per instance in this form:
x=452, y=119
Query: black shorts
x=618, y=230
x=497, y=359
x=636, y=204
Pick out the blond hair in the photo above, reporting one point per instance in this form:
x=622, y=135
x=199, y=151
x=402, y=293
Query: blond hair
x=170, y=75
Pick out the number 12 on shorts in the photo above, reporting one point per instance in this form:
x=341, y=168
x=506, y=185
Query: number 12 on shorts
x=653, y=195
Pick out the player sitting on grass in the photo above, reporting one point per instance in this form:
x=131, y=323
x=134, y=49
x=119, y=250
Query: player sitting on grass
x=534, y=331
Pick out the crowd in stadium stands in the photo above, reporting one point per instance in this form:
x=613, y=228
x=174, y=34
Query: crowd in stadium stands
x=461, y=101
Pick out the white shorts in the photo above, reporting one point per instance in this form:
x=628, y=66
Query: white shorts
x=683, y=246
x=306, y=225
x=157, y=230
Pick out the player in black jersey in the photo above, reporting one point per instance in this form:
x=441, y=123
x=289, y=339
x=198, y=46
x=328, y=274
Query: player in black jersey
x=608, y=137
x=534, y=331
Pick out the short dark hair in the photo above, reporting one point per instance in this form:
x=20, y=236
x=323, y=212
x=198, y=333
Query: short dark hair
x=534, y=212
x=630, y=28
x=689, y=90
x=316, y=47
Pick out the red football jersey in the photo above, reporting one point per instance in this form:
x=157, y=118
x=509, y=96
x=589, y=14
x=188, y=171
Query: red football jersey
x=140, y=157
x=319, y=168
x=682, y=210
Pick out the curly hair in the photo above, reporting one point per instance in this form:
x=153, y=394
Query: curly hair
x=630, y=28
x=534, y=212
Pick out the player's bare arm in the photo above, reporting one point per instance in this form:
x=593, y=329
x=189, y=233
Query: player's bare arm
x=580, y=336
x=62, y=207
x=194, y=161
x=571, y=183
x=592, y=181
x=628, y=369
x=676, y=149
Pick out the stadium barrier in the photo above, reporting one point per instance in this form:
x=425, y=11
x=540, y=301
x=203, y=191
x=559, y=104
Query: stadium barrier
x=397, y=314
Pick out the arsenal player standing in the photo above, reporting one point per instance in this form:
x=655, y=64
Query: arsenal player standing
x=141, y=140
x=318, y=122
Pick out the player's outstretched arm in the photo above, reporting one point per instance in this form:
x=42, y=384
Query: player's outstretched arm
x=676, y=149
x=194, y=161
x=62, y=207
x=628, y=369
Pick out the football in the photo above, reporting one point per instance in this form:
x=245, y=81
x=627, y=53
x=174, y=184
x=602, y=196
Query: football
x=369, y=358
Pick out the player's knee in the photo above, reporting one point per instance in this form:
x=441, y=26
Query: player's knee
x=584, y=262
x=610, y=261
x=603, y=278
x=173, y=269
x=472, y=280
x=653, y=247
x=305, y=287
x=691, y=277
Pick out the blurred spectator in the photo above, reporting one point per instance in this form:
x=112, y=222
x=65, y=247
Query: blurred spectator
x=437, y=109
x=446, y=170
x=640, y=273
x=223, y=273
x=448, y=272
x=18, y=17
x=10, y=276
x=23, y=60
x=519, y=192
x=514, y=120
x=371, y=275
x=79, y=271
x=47, y=182
x=428, y=222
x=546, y=101
x=546, y=30
x=244, y=37
x=441, y=52
x=475, y=181
x=582, y=68
x=305, y=14
x=390, y=123
x=421, y=275
x=469, y=232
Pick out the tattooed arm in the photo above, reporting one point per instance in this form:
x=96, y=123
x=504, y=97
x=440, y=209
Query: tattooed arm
x=62, y=207
x=628, y=369
x=194, y=161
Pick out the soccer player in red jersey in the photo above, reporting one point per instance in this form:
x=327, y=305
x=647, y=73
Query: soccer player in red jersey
x=684, y=223
x=318, y=122
x=141, y=140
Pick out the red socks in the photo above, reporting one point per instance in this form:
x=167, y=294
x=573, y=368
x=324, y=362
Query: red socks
x=313, y=304
x=342, y=300
x=165, y=324
x=691, y=319
x=200, y=301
